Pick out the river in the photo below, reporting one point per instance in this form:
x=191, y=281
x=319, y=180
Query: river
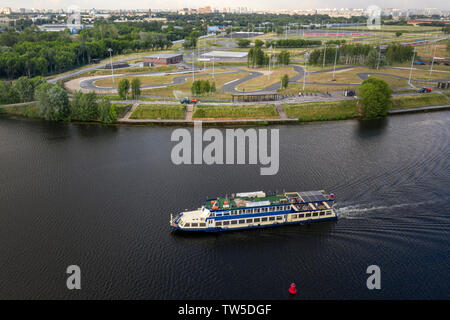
x=100, y=197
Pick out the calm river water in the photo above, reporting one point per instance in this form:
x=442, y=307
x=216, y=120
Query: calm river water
x=100, y=197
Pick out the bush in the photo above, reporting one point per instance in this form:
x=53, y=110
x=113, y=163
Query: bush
x=243, y=43
x=84, y=106
x=107, y=112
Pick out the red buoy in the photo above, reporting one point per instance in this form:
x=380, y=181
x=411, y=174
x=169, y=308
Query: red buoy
x=292, y=289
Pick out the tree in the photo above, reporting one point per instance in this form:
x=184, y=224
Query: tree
x=136, y=88
x=284, y=81
x=257, y=58
x=283, y=58
x=25, y=89
x=259, y=43
x=398, y=34
x=124, y=87
x=107, y=112
x=84, y=106
x=243, y=43
x=213, y=87
x=52, y=101
x=190, y=43
x=375, y=97
x=372, y=59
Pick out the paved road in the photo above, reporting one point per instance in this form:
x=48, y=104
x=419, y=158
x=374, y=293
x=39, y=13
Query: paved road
x=88, y=84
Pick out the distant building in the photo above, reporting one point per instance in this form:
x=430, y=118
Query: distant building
x=163, y=59
x=211, y=29
x=204, y=10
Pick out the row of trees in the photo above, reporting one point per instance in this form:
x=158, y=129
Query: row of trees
x=53, y=104
x=200, y=87
x=125, y=85
x=34, y=52
x=293, y=43
x=361, y=54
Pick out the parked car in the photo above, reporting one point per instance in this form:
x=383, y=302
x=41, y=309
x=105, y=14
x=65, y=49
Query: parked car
x=419, y=63
x=424, y=90
x=349, y=93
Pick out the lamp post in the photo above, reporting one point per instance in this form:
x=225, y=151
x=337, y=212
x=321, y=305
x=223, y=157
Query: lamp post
x=432, y=61
x=335, y=58
x=412, y=63
x=304, y=76
x=110, y=61
x=324, y=54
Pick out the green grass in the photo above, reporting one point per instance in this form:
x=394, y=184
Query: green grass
x=425, y=99
x=252, y=111
x=324, y=110
x=29, y=111
x=158, y=112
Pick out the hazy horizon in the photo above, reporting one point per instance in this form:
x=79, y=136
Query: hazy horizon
x=256, y=5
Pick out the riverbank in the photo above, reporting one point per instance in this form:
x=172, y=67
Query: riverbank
x=264, y=114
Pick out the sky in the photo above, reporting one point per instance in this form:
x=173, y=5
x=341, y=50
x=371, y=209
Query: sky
x=255, y=4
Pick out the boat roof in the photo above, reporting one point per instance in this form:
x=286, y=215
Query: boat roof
x=259, y=198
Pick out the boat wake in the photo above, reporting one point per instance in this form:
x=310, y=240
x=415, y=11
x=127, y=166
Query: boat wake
x=352, y=211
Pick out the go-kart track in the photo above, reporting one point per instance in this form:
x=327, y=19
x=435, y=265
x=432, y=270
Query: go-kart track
x=88, y=83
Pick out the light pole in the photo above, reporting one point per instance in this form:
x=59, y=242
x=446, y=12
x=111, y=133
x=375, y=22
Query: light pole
x=110, y=61
x=304, y=76
x=432, y=61
x=412, y=63
x=335, y=59
x=324, y=54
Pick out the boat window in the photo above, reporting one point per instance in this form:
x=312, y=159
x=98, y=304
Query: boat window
x=187, y=224
x=315, y=214
x=194, y=224
x=249, y=220
x=226, y=213
x=233, y=221
x=294, y=216
x=322, y=213
x=202, y=224
x=217, y=215
x=279, y=218
x=225, y=223
x=258, y=210
x=256, y=219
x=263, y=219
x=242, y=221
x=328, y=212
x=308, y=215
x=301, y=215
x=271, y=218
x=218, y=223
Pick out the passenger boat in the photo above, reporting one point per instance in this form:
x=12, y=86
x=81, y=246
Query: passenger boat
x=257, y=210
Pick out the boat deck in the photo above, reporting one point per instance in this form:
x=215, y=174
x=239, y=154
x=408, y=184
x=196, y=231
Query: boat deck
x=286, y=198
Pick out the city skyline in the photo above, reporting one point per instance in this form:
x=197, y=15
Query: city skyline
x=254, y=5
